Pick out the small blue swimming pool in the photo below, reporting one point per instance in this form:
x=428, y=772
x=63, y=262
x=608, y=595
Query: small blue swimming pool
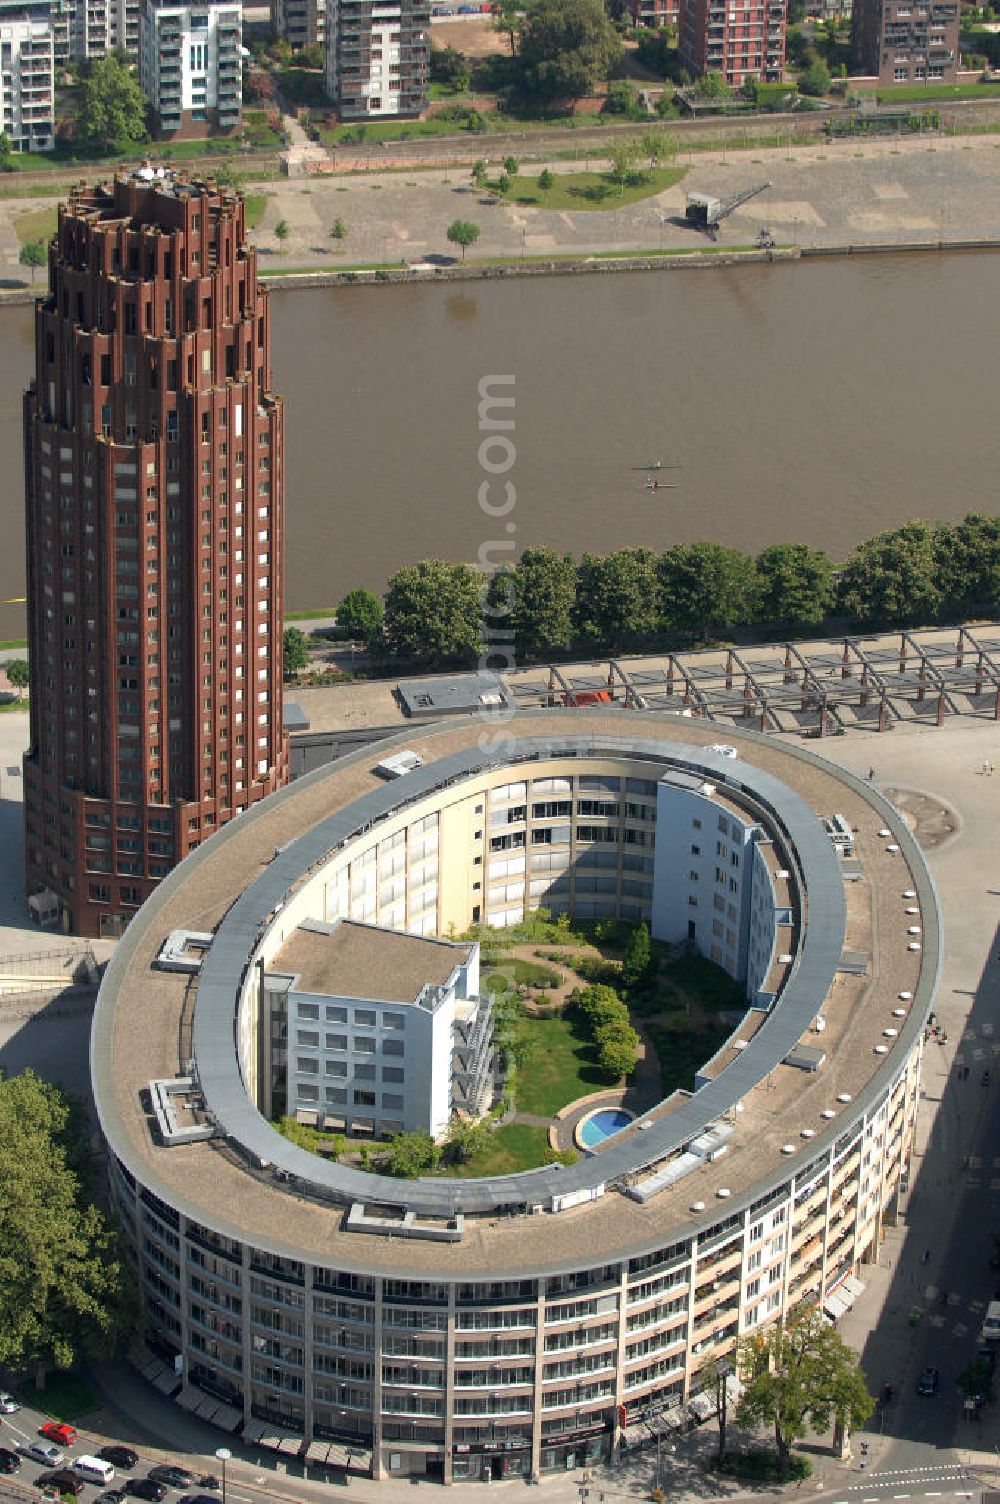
x=601, y=1125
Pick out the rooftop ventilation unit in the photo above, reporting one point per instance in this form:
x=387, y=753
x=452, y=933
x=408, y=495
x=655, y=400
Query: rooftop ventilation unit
x=399, y=764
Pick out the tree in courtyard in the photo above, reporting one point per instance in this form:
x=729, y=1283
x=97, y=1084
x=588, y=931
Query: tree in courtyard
x=546, y=181
x=565, y=47
x=795, y=585
x=282, y=230
x=65, y=1291
x=295, y=651
x=893, y=580
x=338, y=229
x=226, y=175
x=705, y=588
x=465, y=1139
x=412, y=1154
x=112, y=107
x=16, y=670
x=616, y=597
x=535, y=600
x=433, y=611
x=360, y=616
x=507, y=18
x=800, y=1376
x=815, y=78
x=448, y=67
x=34, y=255
x=512, y=1040
x=462, y=232
x=600, y=1005
x=617, y=1047
x=652, y=148
x=712, y=85
x=6, y=152
x=638, y=958
x=624, y=155
x=479, y=173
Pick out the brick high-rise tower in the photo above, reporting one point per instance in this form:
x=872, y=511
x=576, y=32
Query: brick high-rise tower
x=154, y=467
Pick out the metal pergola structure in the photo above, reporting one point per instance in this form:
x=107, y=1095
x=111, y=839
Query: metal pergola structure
x=812, y=689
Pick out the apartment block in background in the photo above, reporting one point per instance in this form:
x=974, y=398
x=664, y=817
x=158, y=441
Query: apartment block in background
x=905, y=41
x=190, y=66
x=300, y=22
x=154, y=467
x=740, y=41
x=27, y=76
x=378, y=57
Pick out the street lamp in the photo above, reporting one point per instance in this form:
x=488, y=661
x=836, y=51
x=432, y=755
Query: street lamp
x=223, y=1455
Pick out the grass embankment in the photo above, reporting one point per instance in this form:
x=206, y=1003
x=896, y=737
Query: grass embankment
x=66, y=1397
x=35, y=224
x=591, y=190
x=255, y=207
x=927, y=93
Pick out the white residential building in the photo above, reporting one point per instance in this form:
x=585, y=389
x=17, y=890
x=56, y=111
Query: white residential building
x=190, y=65
x=375, y=1031
x=27, y=94
x=378, y=57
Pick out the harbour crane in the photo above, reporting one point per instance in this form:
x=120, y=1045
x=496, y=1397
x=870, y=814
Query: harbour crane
x=706, y=212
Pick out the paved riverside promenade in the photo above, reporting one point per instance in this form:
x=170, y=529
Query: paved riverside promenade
x=927, y=189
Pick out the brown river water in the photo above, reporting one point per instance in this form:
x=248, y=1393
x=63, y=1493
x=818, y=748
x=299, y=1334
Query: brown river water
x=819, y=401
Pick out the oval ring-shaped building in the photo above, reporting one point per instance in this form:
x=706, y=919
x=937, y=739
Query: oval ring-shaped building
x=302, y=962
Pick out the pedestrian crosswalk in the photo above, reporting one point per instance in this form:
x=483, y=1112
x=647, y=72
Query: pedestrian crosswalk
x=909, y=1483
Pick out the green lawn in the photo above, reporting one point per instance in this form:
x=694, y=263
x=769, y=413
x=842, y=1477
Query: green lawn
x=36, y=224
x=919, y=93
x=66, y=1396
x=562, y=1067
x=520, y=973
x=591, y=190
x=255, y=206
x=386, y=130
x=513, y=1147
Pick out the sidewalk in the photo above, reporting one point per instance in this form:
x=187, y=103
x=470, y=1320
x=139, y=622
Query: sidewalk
x=136, y=1414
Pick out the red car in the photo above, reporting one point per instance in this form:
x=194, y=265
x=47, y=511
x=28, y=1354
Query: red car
x=59, y=1432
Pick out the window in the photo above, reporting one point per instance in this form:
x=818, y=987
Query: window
x=364, y=1099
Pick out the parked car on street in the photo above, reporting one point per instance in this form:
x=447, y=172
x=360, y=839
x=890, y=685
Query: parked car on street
x=146, y=1488
x=122, y=1457
x=10, y=1462
x=59, y=1432
x=929, y=1380
x=62, y=1481
x=172, y=1475
x=43, y=1452
x=9, y=1403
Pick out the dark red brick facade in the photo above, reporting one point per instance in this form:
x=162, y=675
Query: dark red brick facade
x=740, y=44
x=154, y=468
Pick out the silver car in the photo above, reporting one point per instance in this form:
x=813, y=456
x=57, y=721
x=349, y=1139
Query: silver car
x=9, y=1403
x=43, y=1452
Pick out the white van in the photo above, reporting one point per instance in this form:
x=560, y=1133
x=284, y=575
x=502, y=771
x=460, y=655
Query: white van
x=94, y=1470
